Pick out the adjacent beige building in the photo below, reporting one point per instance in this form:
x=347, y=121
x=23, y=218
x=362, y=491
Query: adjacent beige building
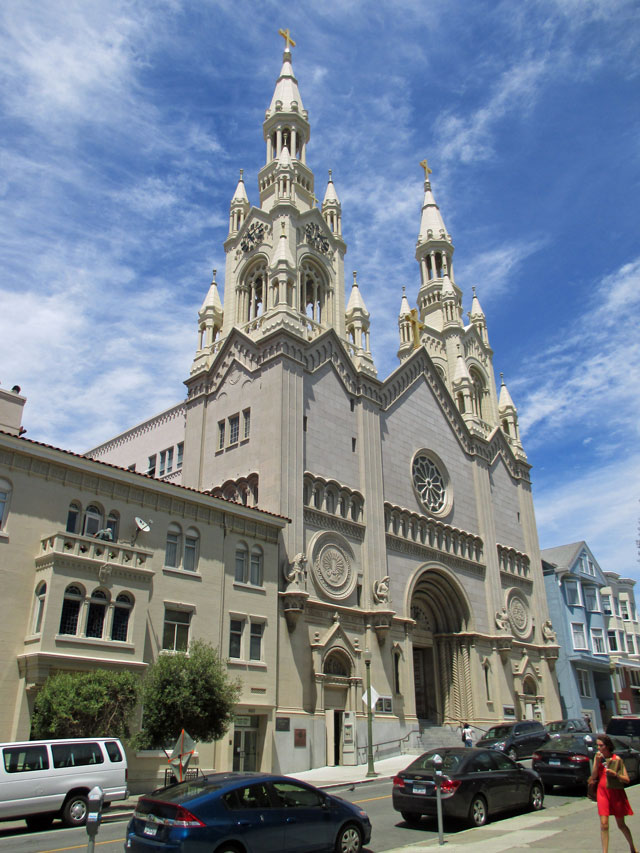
x=412, y=543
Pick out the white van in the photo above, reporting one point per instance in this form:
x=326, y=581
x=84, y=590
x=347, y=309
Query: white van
x=44, y=779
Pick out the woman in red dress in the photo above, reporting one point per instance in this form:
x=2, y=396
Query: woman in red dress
x=611, y=800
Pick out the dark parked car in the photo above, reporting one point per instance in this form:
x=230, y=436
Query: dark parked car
x=566, y=760
x=517, y=740
x=252, y=812
x=561, y=727
x=476, y=783
x=627, y=727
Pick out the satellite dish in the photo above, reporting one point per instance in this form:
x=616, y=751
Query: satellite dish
x=142, y=525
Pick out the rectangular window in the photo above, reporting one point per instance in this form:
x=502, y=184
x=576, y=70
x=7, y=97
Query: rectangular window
x=597, y=639
x=241, y=565
x=616, y=606
x=613, y=641
x=171, y=550
x=76, y=754
x=246, y=419
x=384, y=705
x=630, y=644
x=163, y=459
x=151, y=467
x=23, y=759
x=235, y=638
x=190, y=553
x=180, y=454
x=634, y=677
x=176, y=630
x=255, y=576
x=583, y=683
x=255, y=643
x=592, y=568
x=624, y=610
x=220, y=435
x=590, y=598
x=573, y=596
x=606, y=604
x=234, y=429
x=579, y=639
x=169, y=460
x=69, y=616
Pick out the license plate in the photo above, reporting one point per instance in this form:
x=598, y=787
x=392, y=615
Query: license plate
x=150, y=829
x=419, y=789
x=555, y=762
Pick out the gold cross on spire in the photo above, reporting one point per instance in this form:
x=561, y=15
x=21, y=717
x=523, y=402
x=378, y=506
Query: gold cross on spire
x=427, y=170
x=287, y=38
x=415, y=324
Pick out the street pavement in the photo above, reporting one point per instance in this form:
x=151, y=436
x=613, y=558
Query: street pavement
x=573, y=826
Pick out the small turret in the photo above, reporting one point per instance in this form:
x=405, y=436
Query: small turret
x=408, y=327
x=462, y=385
x=239, y=207
x=357, y=328
x=210, y=318
x=478, y=319
x=508, y=414
x=332, y=209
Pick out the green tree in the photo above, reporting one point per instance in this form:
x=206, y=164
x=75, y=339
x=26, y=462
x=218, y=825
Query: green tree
x=85, y=704
x=187, y=690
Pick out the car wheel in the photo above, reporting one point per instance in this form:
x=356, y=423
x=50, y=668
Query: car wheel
x=74, y=811
x=349, y=839
x=411, y=817
x=513, y=755
x=39, y=821
x=536, y=797
x=478, y=814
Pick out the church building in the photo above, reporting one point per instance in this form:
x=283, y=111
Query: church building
x=412, y=550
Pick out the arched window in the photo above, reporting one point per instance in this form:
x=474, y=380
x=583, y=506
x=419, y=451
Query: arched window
x=121, y=613
x=96, y=613
x=242, y=560
x=173, y=546
x=460, y=398
x=113, y=523
x=479, y=390
x=313, y=293
x=255, y=574
x=92, y=521
x=41, y=595
x=336, y=664
x=252, y=294
x=73, y=517
x=191, y=541
x=73, y=598
x=5, y=494
x=396, y=672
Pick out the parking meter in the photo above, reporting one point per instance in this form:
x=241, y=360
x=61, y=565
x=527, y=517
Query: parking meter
x=94, y=815
x=437, y=769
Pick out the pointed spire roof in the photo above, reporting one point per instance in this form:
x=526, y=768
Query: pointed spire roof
x=504, y=400
x=404, y=303
x=431, y=218
x=282, y=256
x=241, y=193
x=330, y=195
x=447, y=291
x=476, y=312
x=461, y=374
x=286, y=89
x=212, y=299
x=356, y=302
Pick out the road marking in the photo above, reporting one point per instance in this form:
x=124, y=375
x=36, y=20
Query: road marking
x=82, y=846
x=373, y=799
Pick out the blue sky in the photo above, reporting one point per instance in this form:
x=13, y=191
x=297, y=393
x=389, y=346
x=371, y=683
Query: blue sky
x=125, y=125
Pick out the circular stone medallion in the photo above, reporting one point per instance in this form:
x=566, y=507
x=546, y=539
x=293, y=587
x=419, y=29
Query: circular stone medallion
x=519, y=616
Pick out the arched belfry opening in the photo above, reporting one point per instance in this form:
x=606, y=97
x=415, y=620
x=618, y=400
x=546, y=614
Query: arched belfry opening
x=441, y=648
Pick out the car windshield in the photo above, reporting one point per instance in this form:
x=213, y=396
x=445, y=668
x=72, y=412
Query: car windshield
x=499, y=731
x=183, y=790
x=569, y=742
x=450, y=761
x=557, y=727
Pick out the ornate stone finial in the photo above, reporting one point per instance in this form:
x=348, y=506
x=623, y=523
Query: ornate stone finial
x=427, y=170
x=502, y=619
x=242, y=175
x=502, y=378
x=355, y=273
x=288, y=41
x=381, y=590
x=548, y=634
x=213, y=276
x=330, y=174
x=294, y=573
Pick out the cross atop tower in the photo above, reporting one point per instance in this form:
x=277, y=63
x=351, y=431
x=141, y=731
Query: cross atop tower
x=427, y=170
x=288, y=41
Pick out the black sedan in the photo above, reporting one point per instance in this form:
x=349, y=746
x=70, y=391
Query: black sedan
x=475, y=784
x=252, y=812
x=566, y=760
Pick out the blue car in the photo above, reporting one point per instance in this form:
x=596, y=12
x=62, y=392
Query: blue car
x=246, y=813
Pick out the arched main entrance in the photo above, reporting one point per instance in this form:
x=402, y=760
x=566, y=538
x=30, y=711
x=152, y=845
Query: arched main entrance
x=441, y=658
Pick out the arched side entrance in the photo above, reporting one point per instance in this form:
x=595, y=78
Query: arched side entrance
x=340, y=719
x=441, y=648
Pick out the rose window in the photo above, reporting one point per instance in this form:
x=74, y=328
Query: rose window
x=429, y=483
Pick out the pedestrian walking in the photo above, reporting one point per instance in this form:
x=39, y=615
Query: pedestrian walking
x=467, y=735
x=611, y=776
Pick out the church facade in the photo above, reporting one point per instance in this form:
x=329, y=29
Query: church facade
x=412, y=549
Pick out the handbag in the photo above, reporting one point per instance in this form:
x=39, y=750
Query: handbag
x=592, y=790
x=617, y=765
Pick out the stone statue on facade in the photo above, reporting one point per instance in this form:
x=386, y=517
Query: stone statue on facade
x=381, y=590
x=548, y=634
x=502, y=619
x=294, y=572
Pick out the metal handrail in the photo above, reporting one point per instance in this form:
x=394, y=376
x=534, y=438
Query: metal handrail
x=397, y=740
